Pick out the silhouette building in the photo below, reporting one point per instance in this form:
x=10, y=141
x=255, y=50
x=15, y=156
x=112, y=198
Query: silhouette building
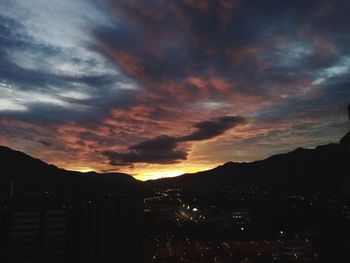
x=346, y=139
x=98, y=226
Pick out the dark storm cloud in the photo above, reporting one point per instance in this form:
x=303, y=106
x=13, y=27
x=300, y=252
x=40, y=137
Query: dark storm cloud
x=162, y=143
x=156, y=39
x=152, y=157
x=165, y=149
x=248, y=43
x=210, y=129
x=45, y=143
x=160, y=150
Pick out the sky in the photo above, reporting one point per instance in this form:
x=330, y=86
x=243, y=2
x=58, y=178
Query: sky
x=158, y=88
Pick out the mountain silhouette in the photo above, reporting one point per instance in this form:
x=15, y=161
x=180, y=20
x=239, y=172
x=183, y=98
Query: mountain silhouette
x=302, y=170
x=27, y=174
x=324, y=168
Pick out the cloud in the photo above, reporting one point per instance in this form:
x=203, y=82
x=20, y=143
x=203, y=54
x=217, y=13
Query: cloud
x=45, y=143
x=47, y=83
x=159, y=150
x=165, y=149
x=210, y=129
x=162, y=143
x=93, y=76
x=229, y=52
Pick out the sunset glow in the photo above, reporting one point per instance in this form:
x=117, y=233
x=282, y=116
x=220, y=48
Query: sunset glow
x=157, y=175
x=160, y=88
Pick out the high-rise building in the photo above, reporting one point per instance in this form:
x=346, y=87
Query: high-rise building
x=40, y=229
x=24, y=237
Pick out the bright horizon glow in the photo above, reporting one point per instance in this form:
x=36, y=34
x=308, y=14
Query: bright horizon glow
x=157, y=175
x=81, y=169
x=146, y=174
x=154, y=175
x=164, y=173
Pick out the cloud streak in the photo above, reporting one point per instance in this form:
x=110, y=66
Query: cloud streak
x=165, y=149
x=209, y=129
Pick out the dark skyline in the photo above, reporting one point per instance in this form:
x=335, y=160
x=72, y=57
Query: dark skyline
x=154, y=88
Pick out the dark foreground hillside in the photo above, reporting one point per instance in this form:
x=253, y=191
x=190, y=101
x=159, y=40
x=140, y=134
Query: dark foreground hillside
x=292, y=207
x=49, y=214
x=324, y=168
